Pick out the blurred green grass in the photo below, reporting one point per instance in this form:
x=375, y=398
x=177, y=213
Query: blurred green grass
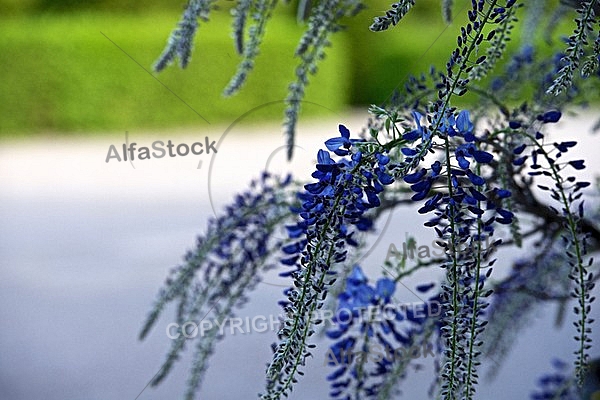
x=383, y=61
x=61, y=74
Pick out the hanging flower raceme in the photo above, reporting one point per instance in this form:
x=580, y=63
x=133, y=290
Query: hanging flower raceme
x=547, y=163
x=332, y=211
x=226, y=263
x=558, y=385
x=375, y=339
x=465, y=211
x=531, y=281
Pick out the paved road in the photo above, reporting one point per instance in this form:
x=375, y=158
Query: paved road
x=85, y=245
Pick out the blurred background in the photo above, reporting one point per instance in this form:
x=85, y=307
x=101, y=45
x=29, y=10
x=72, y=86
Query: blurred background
x=61, y=73
x=86, y=244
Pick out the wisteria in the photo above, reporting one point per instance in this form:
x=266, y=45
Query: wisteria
x=375, y=337
x=222, y=269
x=566, y=191
x=468, y=146
x=464, y=218
x=556, y=385
x=332, y=212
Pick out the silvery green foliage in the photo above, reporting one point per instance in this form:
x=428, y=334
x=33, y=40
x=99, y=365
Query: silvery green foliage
x=519, y=296
x=535, y=13
x=577, y=44
x=476, y=174
x=323, y=21
x=395, y=14
x=447, y=10
x=579, y=3
x=240, y=16
x=261, y=11
x=591, y=62
x=181, y=41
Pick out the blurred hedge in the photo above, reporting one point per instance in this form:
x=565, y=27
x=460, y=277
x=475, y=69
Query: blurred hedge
x=64, y=75
x=61, y=74
x=383, y=61
x=32, y=7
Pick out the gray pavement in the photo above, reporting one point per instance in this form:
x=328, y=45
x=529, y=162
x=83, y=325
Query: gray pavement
x=85, y=245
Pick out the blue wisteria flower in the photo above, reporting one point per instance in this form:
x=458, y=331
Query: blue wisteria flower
x=341, y=145
x=226, y=263
x=557, y=385
x=333, y=210
x=467, y=144
x=375, y=338
x=466, y=210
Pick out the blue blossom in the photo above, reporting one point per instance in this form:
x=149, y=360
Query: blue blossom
x=333, y=209
x=385, y=289
x=355, y=375
x=557, y=385
x=357, y=294
x=464, y=125
x=226, y=262
x=517, y=64
x=419, y=132
x=341, y=145
x=550, y=116
x=577, y=164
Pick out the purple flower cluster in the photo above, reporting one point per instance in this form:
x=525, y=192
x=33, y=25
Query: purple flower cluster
x=333, y=209
x=546, y=162
x=470, y=195
x=359, y=371
x=466, y=209
x=557, y=385
x=225, y=265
